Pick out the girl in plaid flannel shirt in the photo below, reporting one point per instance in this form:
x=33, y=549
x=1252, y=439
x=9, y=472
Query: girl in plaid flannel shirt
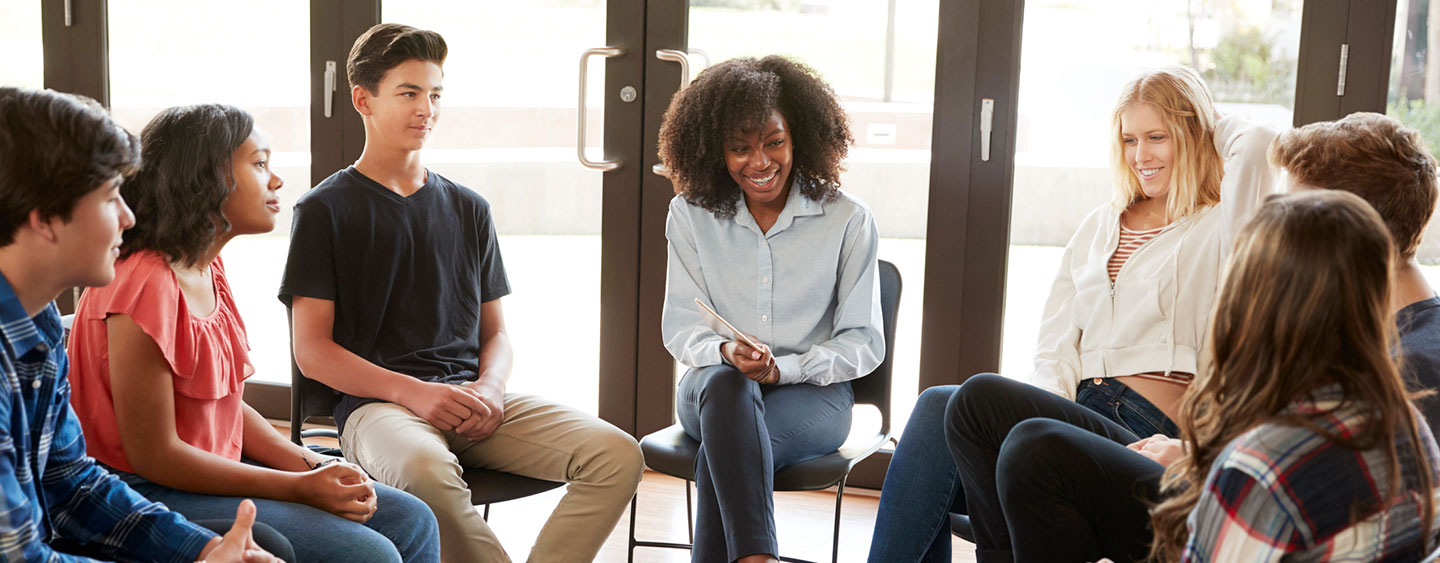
x=1305, y=445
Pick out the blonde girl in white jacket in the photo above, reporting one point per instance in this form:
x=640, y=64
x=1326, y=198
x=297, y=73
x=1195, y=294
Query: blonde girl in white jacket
x=1130, y=305
x=1124, y=324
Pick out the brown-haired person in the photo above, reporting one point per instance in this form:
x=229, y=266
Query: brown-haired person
x=1303, y=442
x=1058, y=498
x=159, y=358
x=761, y=232
x=62, y=161
x=1390, y=166
x=395, y=280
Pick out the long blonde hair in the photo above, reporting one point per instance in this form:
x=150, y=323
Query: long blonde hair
x=1184, y=103
x=1305, y=302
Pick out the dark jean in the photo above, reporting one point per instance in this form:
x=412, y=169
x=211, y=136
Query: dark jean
x=923, y=485
x=402, y=529
x=1069, y=494
x=747, y=432
x=1118, y=402
x=921, y=489
x=980, y=420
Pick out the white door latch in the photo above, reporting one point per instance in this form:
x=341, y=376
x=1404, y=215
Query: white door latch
x=987, y=116
x=329, y=88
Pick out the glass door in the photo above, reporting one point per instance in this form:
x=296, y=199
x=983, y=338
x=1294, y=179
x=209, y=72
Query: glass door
x=507, y=131
x=20, y=39
x=223, y=59
x=1414, y=96
x=880, y=59
x=1074, y=61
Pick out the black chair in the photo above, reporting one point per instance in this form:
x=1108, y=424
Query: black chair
x=960, y=527
x=310, y=399
x=1432, y=557
x=672, y=452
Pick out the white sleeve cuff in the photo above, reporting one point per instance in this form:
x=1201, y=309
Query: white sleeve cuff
x=790, y=372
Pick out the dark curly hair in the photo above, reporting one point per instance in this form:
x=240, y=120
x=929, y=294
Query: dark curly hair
x=184, y=181
x=738, y=95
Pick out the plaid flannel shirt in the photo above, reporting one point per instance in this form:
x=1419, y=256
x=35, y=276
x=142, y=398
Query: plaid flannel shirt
x=1286, y=493
x=49, y=489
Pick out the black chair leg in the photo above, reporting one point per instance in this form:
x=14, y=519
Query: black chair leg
x=631, y=557
x=690, y=529
x=486, y=515
x=835, y=545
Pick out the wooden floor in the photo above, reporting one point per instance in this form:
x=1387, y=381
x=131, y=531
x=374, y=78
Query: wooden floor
x=804, y=520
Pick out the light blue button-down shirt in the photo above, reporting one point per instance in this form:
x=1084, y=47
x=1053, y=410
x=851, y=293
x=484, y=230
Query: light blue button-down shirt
x=808, y=289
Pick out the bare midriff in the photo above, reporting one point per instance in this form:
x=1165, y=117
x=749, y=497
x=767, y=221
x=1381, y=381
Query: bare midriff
x=1163, y=394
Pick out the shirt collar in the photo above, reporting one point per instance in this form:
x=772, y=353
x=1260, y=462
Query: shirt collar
x=1319, y=399
x=796, y=205
x=22, y=332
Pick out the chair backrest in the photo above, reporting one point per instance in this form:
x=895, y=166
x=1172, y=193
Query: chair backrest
x=67, y=322
x=308, y=398
x=1432, y=557
x=874, y=389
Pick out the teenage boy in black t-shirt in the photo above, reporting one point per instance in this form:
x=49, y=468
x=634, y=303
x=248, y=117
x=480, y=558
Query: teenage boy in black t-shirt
x=395, y=279
x=1389, y=166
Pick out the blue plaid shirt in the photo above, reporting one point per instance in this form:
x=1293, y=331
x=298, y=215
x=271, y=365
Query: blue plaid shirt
x=51, y=490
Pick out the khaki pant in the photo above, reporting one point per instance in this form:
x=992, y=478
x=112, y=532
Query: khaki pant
x=539, y=439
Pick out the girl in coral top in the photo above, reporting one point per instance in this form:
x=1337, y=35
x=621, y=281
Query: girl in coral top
x=159, y=358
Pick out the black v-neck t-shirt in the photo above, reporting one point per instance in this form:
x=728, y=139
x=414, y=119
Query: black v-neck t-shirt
x=407, y=274
x=1419, y=326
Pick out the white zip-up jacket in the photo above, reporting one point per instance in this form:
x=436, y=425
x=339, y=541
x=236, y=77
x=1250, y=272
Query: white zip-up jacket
x=1156, y=316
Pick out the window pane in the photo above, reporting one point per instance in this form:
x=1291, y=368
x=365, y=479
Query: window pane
x=1075, y=57
x=507, y=131
x=1415, y=97
x=20, y=41
x=889, y=95
x=166, y=53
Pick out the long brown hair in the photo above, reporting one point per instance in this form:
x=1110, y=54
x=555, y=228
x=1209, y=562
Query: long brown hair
x=1184, y=103
x=1305, y=302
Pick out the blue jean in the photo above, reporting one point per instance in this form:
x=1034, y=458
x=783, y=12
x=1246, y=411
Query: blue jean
x=922, y=488
x=747, y=432
x=402, y=529
x=1118, y=402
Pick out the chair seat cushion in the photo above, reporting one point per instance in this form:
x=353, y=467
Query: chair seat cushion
x=671, y=451
x=488, y=486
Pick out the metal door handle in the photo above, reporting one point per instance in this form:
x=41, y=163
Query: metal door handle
x=602, y=165
x=674, y=56
x=677, y=56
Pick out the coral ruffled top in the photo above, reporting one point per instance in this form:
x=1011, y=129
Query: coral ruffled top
x=208, y=357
